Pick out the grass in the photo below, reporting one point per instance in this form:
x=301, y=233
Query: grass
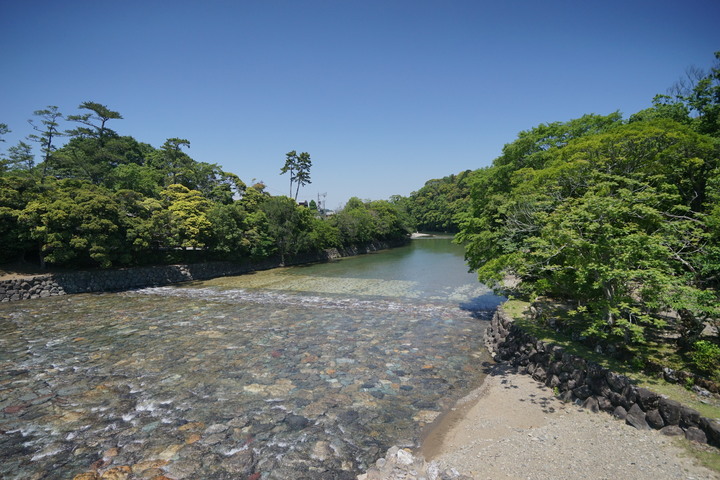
x=705, y=455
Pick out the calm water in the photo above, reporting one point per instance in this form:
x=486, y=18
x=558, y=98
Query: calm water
x=304, y=372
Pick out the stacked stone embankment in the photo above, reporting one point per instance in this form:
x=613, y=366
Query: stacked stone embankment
x=595, y=387
x=139, y=277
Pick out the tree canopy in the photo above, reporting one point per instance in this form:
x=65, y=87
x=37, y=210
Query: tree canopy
x=102, y=199
x=618, y=218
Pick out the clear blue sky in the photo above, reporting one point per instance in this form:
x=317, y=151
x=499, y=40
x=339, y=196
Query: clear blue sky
x=384, y=95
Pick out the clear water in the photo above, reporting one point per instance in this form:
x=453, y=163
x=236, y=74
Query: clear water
x=303, y=372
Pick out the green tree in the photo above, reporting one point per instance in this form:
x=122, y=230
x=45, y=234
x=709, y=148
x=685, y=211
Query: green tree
x=302, y=172
x=140, y=178
x=76, y=224
x=48, y=133
x=616, y=219
x=15, y=193
x=19, y=158
x=289, y=226
x=291, y=159
x=299, y=168
x=172, y=161
x=189, y=226
x=95, y=122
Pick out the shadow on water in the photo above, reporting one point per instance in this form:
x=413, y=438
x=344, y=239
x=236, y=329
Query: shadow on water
x=484, y=303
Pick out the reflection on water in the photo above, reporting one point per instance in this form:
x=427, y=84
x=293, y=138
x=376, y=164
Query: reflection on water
x=303, y=372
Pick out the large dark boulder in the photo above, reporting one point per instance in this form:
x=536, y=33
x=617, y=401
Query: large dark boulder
x=599, y=385
x=654, y=419
x=617, y=382
x=647, y=399
x=712, y=429
x=689, y=417
x=605, y=404
x=618, y=399
x=582, y=392
x=694, y=434
x=636, y=418
x=591, y=404
x=539, y=374
x=595, y=371
x=670, y=411
x=552, y=381
x=672, y=431
x=620, y=413
x=630, y=394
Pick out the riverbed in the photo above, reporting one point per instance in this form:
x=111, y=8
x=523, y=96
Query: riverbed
x=304, y=372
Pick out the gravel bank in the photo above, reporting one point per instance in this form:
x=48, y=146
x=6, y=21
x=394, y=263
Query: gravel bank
x=513, y=427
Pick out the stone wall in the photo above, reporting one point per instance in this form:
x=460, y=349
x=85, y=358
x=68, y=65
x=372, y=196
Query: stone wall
x=593, y=386
x=139, y=277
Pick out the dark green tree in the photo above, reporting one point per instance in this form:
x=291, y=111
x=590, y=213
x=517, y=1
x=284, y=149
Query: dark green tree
x=19, y=158
x=299, y=168
x=48, y=133
x=76, y=224
x=94, y=122
x=288, y=225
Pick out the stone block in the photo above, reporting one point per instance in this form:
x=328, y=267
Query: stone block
x=636, y=418
x=591, y=404
x=654, y=419
x=694, y=434
x=712, y=430
x=599, y=385
x=672, y=430
x=566, y=396
x=539, y=374
x=619, y=400
x=689, y=417
x=582, y=392
x=647, y=399
x=620, y=413
x=617, y=382
x=552, y=381
x=670, y=411
x=604, y=403
x=630, y=394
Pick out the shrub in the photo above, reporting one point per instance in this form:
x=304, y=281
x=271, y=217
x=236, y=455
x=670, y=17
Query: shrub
x=705, y=356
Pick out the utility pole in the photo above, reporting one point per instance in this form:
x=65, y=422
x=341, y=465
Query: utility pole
x=321, y=205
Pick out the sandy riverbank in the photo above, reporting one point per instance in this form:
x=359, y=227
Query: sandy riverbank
x=512, y=427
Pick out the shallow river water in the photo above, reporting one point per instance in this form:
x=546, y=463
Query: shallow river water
x=305, y=372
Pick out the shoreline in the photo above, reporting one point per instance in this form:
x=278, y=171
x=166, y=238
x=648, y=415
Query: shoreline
x=513, y=427
x=17, y=286
x=434, y=436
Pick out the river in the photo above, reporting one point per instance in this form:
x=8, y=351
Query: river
x=302, y=372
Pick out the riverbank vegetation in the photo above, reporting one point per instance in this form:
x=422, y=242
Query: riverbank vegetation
x=617, y=220
x=105, y=200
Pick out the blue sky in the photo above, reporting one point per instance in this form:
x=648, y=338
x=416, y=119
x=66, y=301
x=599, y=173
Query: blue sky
x=384, y=95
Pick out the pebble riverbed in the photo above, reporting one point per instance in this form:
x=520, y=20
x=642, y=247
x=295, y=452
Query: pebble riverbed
x=231, y=378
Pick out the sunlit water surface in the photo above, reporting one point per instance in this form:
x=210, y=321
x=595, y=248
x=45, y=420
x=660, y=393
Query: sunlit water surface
x=304, y=372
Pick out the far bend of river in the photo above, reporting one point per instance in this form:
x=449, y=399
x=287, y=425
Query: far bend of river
x=308, y=372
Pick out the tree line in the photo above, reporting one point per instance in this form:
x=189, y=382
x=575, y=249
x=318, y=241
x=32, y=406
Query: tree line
x=617, y=218
x=101, y=199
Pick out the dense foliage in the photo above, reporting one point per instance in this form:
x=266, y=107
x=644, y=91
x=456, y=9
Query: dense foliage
x=104, y=200
x=620, y=218
x=435, y=207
